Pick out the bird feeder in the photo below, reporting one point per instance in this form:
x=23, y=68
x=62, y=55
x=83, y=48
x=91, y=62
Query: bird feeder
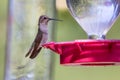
x=96, y=18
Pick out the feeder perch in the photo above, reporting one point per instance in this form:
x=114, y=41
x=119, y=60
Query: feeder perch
x=87, y=52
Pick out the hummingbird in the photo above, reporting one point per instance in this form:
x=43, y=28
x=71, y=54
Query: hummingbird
x=41, y=37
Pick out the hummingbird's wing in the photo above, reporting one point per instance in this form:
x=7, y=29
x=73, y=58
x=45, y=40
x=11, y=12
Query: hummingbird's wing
x=35, y=48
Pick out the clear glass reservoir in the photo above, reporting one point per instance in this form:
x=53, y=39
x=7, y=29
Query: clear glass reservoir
x=95, y=16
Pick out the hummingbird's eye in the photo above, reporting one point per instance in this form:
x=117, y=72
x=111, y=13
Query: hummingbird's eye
x=45, y=18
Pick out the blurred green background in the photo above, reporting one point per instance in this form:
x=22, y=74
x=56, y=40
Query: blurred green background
x=67, y=30
x=3, y=16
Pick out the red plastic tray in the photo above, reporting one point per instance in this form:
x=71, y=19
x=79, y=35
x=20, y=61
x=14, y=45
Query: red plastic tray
x=87, y=52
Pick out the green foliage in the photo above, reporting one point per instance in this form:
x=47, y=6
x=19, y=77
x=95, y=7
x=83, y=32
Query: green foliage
x=3, y=13
x=68, y=29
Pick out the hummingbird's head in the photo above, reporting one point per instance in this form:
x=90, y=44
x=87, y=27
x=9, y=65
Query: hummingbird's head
x=44, y=19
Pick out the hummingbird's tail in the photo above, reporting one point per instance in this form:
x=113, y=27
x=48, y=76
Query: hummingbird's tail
x=35, y=53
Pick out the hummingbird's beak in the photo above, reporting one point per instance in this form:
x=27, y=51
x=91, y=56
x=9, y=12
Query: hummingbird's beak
x=54, y=19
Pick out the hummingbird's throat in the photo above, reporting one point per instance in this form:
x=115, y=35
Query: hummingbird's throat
x=43, y=28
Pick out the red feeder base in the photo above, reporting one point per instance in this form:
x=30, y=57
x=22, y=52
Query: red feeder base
x=87, y=52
